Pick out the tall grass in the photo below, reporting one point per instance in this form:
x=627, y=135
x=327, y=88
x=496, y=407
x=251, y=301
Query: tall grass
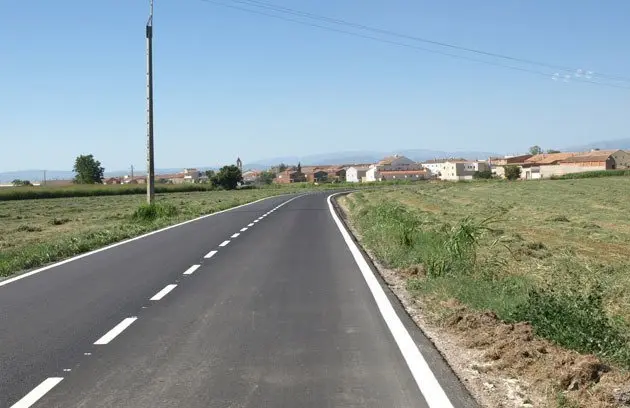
x=151, y=212
x=592, y=174
x=570, y=312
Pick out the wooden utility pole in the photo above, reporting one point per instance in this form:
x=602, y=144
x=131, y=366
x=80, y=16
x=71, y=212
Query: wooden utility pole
x=150, y=155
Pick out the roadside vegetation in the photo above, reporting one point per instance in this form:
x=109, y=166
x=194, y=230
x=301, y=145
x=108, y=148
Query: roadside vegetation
x=553, y=254
x=36, y=232
x=593, y=174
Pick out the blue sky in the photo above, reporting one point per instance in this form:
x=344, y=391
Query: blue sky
x=229, y=83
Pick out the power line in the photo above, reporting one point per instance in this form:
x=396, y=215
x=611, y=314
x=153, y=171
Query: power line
x=401, y=44
x=287, y=10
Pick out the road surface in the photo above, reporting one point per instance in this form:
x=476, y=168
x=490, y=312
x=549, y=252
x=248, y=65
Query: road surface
x=260, y=306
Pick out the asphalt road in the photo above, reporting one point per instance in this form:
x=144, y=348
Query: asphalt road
x=279, y=316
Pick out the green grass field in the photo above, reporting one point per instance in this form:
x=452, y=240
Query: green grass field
x=36, y=232
x=555, y=253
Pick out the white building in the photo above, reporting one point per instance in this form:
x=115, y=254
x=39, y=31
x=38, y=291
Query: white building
x=436, y=166
x=191, y=175
x=372, y=174
x=356, y=174
x=456, y=170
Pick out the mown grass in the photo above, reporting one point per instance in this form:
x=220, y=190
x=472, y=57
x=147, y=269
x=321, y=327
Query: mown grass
x=37, y=232
x=553, y=253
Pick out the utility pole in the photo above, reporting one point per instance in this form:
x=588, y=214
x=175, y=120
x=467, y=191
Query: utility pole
x=150, y=156
x=132, y=172
x=44, y=177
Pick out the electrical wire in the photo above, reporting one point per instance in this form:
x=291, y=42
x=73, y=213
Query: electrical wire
x=287, y=10
x=401, y=44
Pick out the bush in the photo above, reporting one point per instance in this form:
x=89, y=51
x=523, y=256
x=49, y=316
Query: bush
x=151, y=212
x=512, y=172
x=480, y=175
x=575, y=320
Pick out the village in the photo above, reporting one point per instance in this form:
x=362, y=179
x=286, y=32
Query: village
x=398, y=167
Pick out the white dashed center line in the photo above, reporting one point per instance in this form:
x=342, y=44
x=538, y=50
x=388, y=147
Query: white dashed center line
x=256, y=221
x=113, y=333
x=224, y=243
x=191, y=270
x=235, y=235
x=243, y=229
x=251, y=224
x=210, y=254
x=37, y=392
x=163, y=292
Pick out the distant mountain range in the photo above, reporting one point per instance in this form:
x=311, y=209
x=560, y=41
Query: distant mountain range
x=370, y=156
x=622, y=144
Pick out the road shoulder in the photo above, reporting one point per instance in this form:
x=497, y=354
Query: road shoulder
x=459, y=394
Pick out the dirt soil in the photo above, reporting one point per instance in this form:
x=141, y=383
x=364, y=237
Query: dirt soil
x=506, y=365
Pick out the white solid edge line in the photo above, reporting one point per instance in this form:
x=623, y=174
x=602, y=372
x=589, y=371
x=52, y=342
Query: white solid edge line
x=243, y=229
x=113, y=333
x=74, y=258
x=210, y=254
x=427, y=383
x=251, y=224
x=235, y=235
x=160, y=295
x=224, y=243
x=37, y=392
x=192, y=269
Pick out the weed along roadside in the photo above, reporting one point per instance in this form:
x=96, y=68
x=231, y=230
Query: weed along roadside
x=522, y=286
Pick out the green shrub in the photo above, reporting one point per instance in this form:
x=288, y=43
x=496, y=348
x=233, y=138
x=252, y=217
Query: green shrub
x=486, y=174
x=151, y=212
x=512, y=172
x=575, y=320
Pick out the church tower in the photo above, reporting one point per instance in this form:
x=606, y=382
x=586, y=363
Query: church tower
x=239, y=163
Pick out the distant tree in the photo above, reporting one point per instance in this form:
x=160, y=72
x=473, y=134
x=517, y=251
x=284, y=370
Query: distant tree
x=282, y=167
x=210, y=174
x=88, y=170
x=299, y=167
x=552, y=151
x=266, y=177
x=228, y=177
x=485, y=174
x=535, y=150
x=512, y=172
x=21, y=183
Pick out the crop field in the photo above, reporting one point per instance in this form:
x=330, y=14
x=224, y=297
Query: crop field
x=36, y=232
x=554, y=253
